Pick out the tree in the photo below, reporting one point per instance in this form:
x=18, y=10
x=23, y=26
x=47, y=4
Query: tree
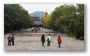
x=72, y=26
x=15, y=18
x=79, y=30
x=60, y=18
x=46, y=20
x=27, y=21
x=64, y=19
x=11, y=16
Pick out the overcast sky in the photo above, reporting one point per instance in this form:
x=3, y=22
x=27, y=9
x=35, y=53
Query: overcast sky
x=40, y=7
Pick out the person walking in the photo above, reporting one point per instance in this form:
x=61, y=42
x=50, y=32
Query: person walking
x=9, y=39
x=41, y=29
x=59, y=41
x=43, y=39
x=32, y=29
x=12, y=39
x=48, y=40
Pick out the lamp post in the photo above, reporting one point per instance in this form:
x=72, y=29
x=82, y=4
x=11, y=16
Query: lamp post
x=76, y=34
x=77, y=13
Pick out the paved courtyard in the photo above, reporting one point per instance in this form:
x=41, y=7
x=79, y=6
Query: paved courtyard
x=25, y=40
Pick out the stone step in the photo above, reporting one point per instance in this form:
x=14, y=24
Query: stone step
x=38, y=34
x=35, y=34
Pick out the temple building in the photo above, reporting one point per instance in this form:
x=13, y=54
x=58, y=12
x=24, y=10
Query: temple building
x=37, y=21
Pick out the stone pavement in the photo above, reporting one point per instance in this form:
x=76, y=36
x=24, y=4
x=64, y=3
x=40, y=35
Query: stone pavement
x=31, y=41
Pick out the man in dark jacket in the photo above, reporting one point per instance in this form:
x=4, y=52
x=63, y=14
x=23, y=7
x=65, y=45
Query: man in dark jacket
x=9, y=39
x=43, y=39
x=12, y=39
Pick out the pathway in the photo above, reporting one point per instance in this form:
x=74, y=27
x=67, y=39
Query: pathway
x=25, y=40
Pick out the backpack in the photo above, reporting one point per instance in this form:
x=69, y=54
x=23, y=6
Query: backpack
x=48, y=39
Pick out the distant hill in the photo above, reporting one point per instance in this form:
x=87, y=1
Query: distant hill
x=38, y=14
